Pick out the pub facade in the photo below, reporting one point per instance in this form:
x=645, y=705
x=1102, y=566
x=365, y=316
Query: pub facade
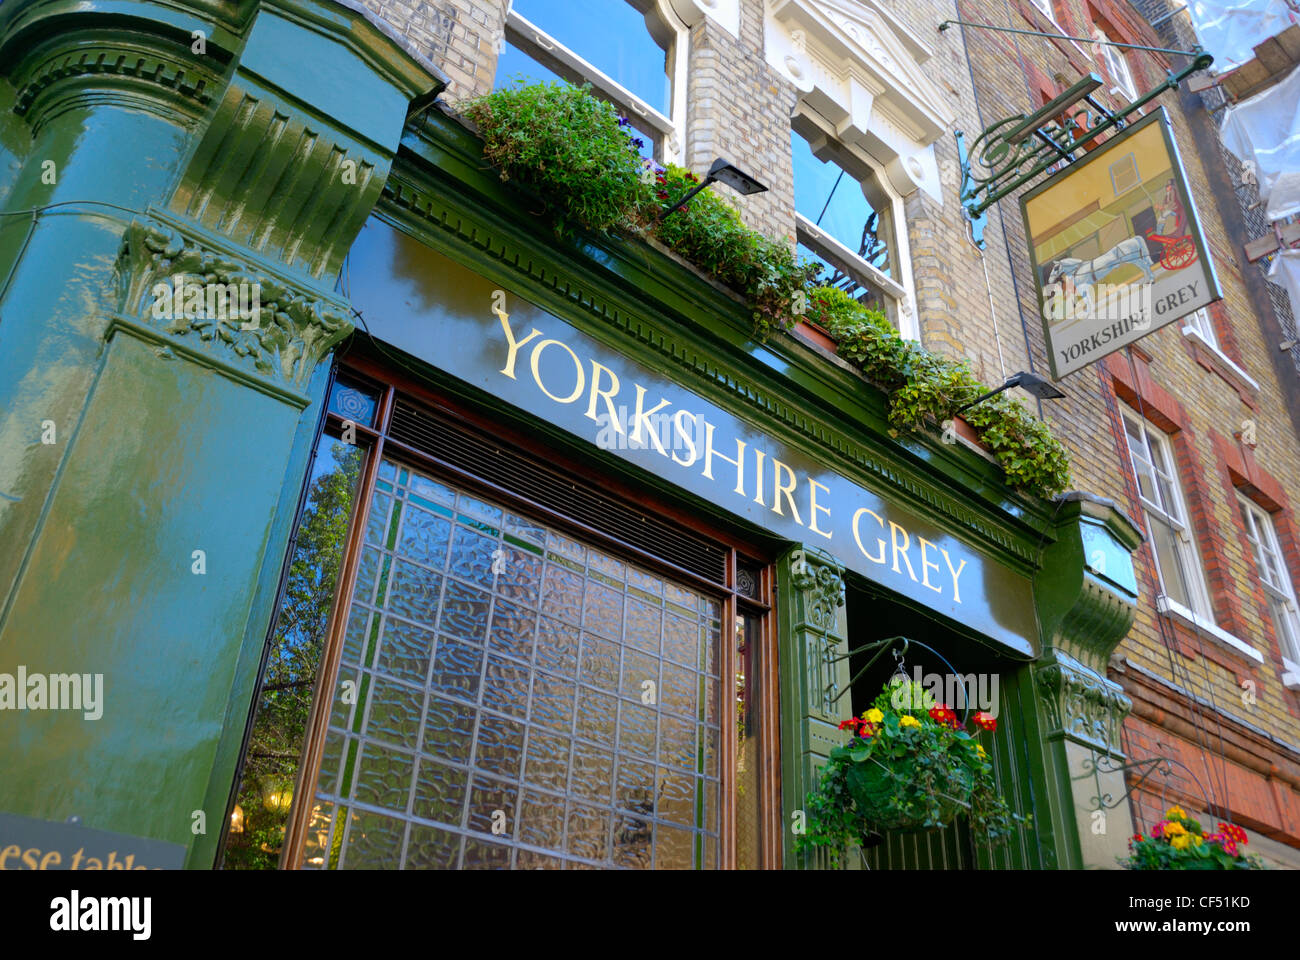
x=462, y=544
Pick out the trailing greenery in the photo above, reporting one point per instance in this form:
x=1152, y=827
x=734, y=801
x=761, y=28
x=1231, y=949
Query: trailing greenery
x=909, y=766
x=575, y=153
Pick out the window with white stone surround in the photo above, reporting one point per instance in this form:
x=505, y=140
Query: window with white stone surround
x=845, y=219
x=632, y=52
x=1275, y=578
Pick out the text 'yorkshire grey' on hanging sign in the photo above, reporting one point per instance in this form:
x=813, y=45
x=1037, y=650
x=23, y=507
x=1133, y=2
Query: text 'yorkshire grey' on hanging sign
x=702, y=448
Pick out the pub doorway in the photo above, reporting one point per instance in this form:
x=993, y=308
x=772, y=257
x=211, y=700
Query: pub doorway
x=957, y=667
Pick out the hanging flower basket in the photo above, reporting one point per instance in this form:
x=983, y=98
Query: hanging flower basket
x=1177, y=843
x=909, y=766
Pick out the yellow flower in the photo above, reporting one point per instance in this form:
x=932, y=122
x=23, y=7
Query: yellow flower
x=907, y=720
x=983, y=755
x=873, y=716
x=1174, y=829
x=1175, y=813
x=1181, y=843
x=1196, y=839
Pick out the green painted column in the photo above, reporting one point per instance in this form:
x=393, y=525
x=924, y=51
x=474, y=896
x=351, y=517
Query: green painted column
x=1086, y=593
x=813, y=625
x=152, y=452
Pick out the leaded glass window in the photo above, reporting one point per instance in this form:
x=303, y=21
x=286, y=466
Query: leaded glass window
x=511, y=697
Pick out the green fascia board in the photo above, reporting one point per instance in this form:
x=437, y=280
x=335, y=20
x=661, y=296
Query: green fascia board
x=842, y=418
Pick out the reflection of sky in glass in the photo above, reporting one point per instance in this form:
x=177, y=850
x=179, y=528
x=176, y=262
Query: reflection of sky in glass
x=610, y=35
x=513, y=62
x=816, y=183
x=831, y=275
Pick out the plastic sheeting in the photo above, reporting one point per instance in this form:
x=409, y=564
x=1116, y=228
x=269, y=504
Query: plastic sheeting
x=1285, y=272
x=1264, y=133
x=1231, y=29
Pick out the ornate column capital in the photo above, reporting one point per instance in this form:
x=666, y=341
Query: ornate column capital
x=170, y=278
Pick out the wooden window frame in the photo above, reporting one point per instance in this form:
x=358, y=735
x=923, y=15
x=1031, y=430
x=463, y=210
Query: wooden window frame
x=379, y=445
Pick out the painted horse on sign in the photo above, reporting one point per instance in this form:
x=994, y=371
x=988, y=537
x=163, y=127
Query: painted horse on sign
x=1083, y=275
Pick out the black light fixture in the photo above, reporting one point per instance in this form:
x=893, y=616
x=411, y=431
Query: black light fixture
x=720, y=172
x=1031, y=383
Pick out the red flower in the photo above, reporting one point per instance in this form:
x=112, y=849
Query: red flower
x=1234, y=832
x=985, y=721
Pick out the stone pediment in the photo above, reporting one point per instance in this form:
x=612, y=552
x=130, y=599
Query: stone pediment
x=863, y=70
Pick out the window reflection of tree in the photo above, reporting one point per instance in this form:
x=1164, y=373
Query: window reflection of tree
x=285, y=696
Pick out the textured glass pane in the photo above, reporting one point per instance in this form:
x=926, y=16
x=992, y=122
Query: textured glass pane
x=432, y=490
x=483, y=855
x=557, y=646
x=562, y=593
x=404, y=651
x=513, y=630
x=457, y=669
x=674, y=848
x=506, y=685
x=377, y=525
x=520, y=576
x=525, y=529
x=480, y=510
x=472, y=556
x=492, y=797
x=367, y=571
x=677, y=691
x=548, y=760
x=676, y=800
x=500, y=748
x=593, y=773
x=331, y=761
x=541, y=820
x=384, y=777
x=553, y=701
x=465, y=611
x=316, y=844
x=440, y=792
x=354, y=640
x=633, y=842
x=587, y=832
x=395, y=712
x=599, y=662
x=374, y=842
x=677, y=742
x=413, y=592
x=638, y=668
x=429, y=848
x=448, y=730
x=681, y=639
x=354, y=401
x=604, y=612
x=423, y=537
x=530, y=860
x=635, y=787
x=597, y=716
x=643, y=625
x=636, y=728
x=344, y=707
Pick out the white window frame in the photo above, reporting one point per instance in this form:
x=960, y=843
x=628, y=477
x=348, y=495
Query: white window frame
x=1262, y=535
x=1200, y=326
x=1045, y=7
x=1164, y=466
x=1118, y=69
x=671, y=129
x=899, y=292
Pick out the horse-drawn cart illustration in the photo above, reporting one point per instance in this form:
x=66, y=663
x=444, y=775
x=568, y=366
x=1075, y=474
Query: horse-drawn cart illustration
x=1175, y=252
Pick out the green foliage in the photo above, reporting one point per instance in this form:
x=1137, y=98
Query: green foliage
x=909, y=767
x=572, y=150
x=567, y=146
x=840, y=315
x=708, y=232
x=1178, y=843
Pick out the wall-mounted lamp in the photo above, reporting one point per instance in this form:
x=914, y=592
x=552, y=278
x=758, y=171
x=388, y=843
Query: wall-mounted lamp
x=720, y=172
x=1031, y=383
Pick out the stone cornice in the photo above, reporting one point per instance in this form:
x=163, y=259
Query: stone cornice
x=294, y=329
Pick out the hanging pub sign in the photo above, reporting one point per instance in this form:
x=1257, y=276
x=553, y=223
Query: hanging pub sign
x=1116, y=246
